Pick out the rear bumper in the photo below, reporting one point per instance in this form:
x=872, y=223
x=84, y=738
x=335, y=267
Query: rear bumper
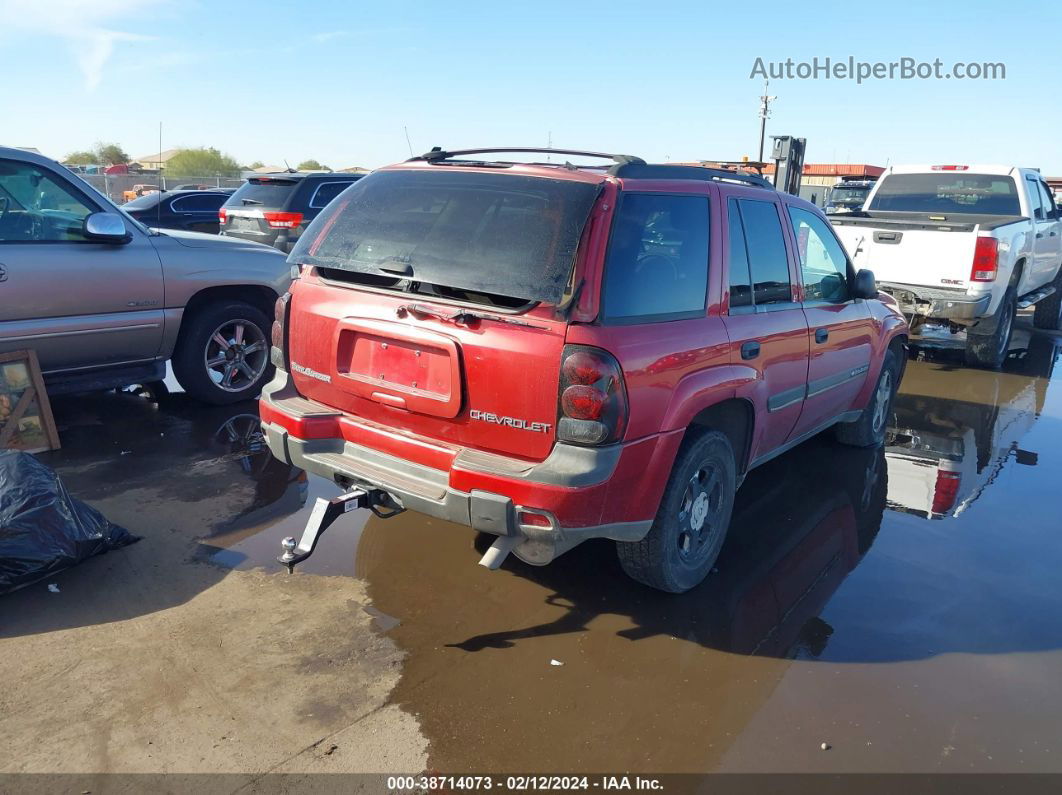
x=569, y=491
x=938, y=304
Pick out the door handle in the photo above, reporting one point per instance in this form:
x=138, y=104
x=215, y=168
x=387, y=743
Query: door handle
x=1052, y=234
x=750, y=350
x=3, y=273
x=821, y=335
x=1039, y=235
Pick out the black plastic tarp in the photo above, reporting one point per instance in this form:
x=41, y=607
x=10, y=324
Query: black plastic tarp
x=42, y=528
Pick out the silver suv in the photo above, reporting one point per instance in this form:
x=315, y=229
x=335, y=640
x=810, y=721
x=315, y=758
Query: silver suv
x=105, y=301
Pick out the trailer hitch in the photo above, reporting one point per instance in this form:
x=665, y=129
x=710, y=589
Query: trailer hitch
x=325, y=512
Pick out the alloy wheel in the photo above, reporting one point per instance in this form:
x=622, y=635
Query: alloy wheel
x=236, y=355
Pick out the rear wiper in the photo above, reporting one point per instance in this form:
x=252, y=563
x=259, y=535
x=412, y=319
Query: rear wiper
x=250, y=201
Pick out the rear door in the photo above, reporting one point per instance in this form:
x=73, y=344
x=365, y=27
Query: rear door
x=766, y=324
x=78, y=303
x=841, y=328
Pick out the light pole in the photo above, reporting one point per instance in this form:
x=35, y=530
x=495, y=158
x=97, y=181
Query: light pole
x=765, y=111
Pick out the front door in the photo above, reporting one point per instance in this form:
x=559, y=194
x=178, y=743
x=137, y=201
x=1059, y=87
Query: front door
x=78, y=303
x=841, y=327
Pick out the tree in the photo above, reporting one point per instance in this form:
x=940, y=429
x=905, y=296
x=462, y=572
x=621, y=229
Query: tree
x=255, y=164
x=82, y=157
x=312, y=165
x=201, y=162
x=110, y=153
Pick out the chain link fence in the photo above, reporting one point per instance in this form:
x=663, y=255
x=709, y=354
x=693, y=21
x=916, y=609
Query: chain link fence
x=121, y=188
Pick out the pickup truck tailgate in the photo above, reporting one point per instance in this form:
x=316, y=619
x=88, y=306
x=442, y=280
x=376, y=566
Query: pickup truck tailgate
x=919, y=254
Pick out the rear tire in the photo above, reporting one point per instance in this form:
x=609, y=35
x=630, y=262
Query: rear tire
x=869, y=429
x=200, y=343
x=691, y=523
x=989, y=351
x=1048, y=312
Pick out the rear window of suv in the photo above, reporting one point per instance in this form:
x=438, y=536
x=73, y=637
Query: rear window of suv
x=263, y=192
x=947, y=192
x=495, y=234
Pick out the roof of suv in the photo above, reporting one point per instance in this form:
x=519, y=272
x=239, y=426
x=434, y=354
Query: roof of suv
x=295, y=175
x=623, y=166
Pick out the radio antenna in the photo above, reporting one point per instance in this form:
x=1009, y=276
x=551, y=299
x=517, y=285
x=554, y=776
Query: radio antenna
x=406, y=131
x=161, y=186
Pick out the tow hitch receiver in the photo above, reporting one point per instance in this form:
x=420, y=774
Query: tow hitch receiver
x=321, y=517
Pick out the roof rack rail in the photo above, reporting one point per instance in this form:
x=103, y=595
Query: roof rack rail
x=666, y=171
x=438, y=154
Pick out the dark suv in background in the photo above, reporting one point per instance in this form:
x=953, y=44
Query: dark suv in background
x=275, y=208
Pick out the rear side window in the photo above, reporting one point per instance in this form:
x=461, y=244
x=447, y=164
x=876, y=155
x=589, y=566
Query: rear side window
x=740, y=279
x=198, y=203
x=271, y=193
x=327, y=191
x=768, y=262
x=657, y=265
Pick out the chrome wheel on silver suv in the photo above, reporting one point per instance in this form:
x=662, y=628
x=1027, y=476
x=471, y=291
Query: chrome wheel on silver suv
x=222, y=354
x=236, y=355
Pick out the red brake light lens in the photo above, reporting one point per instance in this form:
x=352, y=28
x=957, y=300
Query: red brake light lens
x=283, y=220
x=946, y=491
x=592, y=402
x=583, y=402
x=278, y=332
x=223, y=216
x=950, y=168
x=985, y=260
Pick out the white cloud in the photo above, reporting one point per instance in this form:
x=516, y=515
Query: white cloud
x=330, y=35
x=85, y=26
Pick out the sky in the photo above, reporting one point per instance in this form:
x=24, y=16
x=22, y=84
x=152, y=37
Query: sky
x=343, y=82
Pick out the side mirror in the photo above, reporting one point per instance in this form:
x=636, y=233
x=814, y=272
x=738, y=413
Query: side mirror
x=866, y=286
x=106, y=228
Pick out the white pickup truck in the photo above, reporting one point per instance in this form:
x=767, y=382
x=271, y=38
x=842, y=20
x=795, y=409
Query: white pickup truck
x=962, y=247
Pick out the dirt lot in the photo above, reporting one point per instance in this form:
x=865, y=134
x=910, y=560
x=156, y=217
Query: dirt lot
x=153, y=659
x=909, y=620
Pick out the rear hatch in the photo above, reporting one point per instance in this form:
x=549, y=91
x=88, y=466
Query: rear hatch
x=430, y=306
x=258, y=209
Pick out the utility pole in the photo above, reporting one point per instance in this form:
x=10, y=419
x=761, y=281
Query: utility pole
x=765, y=111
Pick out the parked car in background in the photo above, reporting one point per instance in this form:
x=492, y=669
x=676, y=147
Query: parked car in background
x=193, y=210
x=551, y=353
x=138, y=190
x=197, y=186
x=105, y=301
x=848, y=195
x=275, y=209
x=963, y=247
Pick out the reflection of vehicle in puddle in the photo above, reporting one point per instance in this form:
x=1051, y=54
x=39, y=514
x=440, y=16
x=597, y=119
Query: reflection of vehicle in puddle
x=954, y=429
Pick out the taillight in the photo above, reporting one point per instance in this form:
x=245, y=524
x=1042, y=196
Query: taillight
x=946, y=490
x=283, y=220
x=223, y=216
x=985, y=260
x=950, y=168
x=278, y=354
x=592, y=399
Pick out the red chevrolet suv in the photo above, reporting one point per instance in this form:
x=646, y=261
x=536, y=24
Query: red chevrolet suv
x=549, y=352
